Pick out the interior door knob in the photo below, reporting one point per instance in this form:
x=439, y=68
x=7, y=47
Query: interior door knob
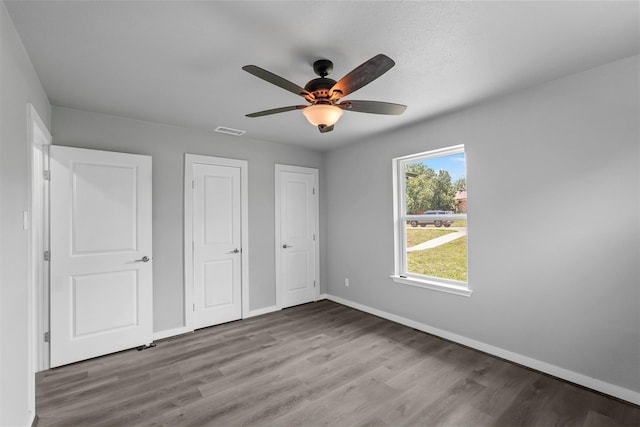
x=285, y=246
x=235, y=251
x=143, y=259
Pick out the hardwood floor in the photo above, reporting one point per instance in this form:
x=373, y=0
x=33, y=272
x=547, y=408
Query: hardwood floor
x=313, y=365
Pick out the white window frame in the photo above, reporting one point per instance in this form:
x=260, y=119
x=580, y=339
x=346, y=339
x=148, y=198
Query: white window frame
x=400, y=218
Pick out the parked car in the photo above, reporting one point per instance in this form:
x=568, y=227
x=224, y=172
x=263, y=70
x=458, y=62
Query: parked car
x=435, y=222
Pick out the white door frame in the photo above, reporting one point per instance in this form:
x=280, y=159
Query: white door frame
x=37, y=223
x=189, y=160
x=278, y=250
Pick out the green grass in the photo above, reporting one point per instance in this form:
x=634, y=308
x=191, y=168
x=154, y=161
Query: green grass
x=419, y=235
x=448, y=261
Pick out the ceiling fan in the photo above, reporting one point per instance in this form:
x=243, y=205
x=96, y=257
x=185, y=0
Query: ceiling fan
x=325, y=94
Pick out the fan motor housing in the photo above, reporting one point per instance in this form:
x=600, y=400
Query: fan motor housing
x=321, y=84
x=320, y=87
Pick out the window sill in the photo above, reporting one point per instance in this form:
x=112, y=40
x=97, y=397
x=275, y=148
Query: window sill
x=434, y=285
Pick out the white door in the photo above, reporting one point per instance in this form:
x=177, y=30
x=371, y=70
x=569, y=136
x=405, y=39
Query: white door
x=101, y=270
x=296, y=234
x=217, y=244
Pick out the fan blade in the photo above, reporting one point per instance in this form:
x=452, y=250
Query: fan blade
x=374, y=107
x=276, y=80
x=325, y=129
x=362, y=75
x=276, y=110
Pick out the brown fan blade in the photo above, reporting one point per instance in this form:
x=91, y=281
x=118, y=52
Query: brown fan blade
x=276, y=80
x=276, y=110
x=374, y=107
x=325, y=129
x=362, y=75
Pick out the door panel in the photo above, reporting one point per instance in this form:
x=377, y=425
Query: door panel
x=219, y=204
x=100, y=289
x=296, y=220
x=104, y=302
x=297, y=269
x=103, y=185
x=218, y=275
x=217, y=272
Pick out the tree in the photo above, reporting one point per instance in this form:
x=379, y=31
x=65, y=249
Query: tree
x=460, y=184
x=428, y=190
x=443, y=194
x=418, y=193
x=420, y=169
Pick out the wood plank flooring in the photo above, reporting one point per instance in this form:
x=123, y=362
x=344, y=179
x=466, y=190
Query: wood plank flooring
x=319, y=364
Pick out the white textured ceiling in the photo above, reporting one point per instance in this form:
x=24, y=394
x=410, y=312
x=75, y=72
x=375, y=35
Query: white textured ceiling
x=180, y=62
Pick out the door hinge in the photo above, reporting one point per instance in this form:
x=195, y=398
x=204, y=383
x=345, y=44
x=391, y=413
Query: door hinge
x=314, y=237
x=47, y=256
x=193, y=184
x=194, y=307
x=314, y=191
x=314, y=283
x=47, y=337
x=46, y=175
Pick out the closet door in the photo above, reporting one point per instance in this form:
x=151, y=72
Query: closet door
x=100, y=253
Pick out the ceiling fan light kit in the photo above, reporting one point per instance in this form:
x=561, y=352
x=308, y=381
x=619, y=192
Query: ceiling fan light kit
x=322, y=114
x=324, y=93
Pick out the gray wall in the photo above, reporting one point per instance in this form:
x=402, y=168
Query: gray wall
x=19, y=86
x=553, y=223
x=167, y=145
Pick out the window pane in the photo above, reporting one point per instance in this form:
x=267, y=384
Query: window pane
x=432, y=185
x=435, y=246
x=431, y=253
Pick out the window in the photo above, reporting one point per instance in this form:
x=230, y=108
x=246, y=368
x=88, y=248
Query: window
x=430, y=198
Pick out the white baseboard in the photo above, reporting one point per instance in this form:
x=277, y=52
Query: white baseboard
x=185, y=330
x=261, y=311
x=171, y=332
x=556, y=371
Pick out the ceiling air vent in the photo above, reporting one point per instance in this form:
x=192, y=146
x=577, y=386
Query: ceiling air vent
x=229, y=131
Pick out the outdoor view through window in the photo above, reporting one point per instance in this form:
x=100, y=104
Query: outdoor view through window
x=434, y=217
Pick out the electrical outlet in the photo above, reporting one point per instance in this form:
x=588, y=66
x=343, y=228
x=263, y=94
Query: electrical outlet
x=346, y=282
